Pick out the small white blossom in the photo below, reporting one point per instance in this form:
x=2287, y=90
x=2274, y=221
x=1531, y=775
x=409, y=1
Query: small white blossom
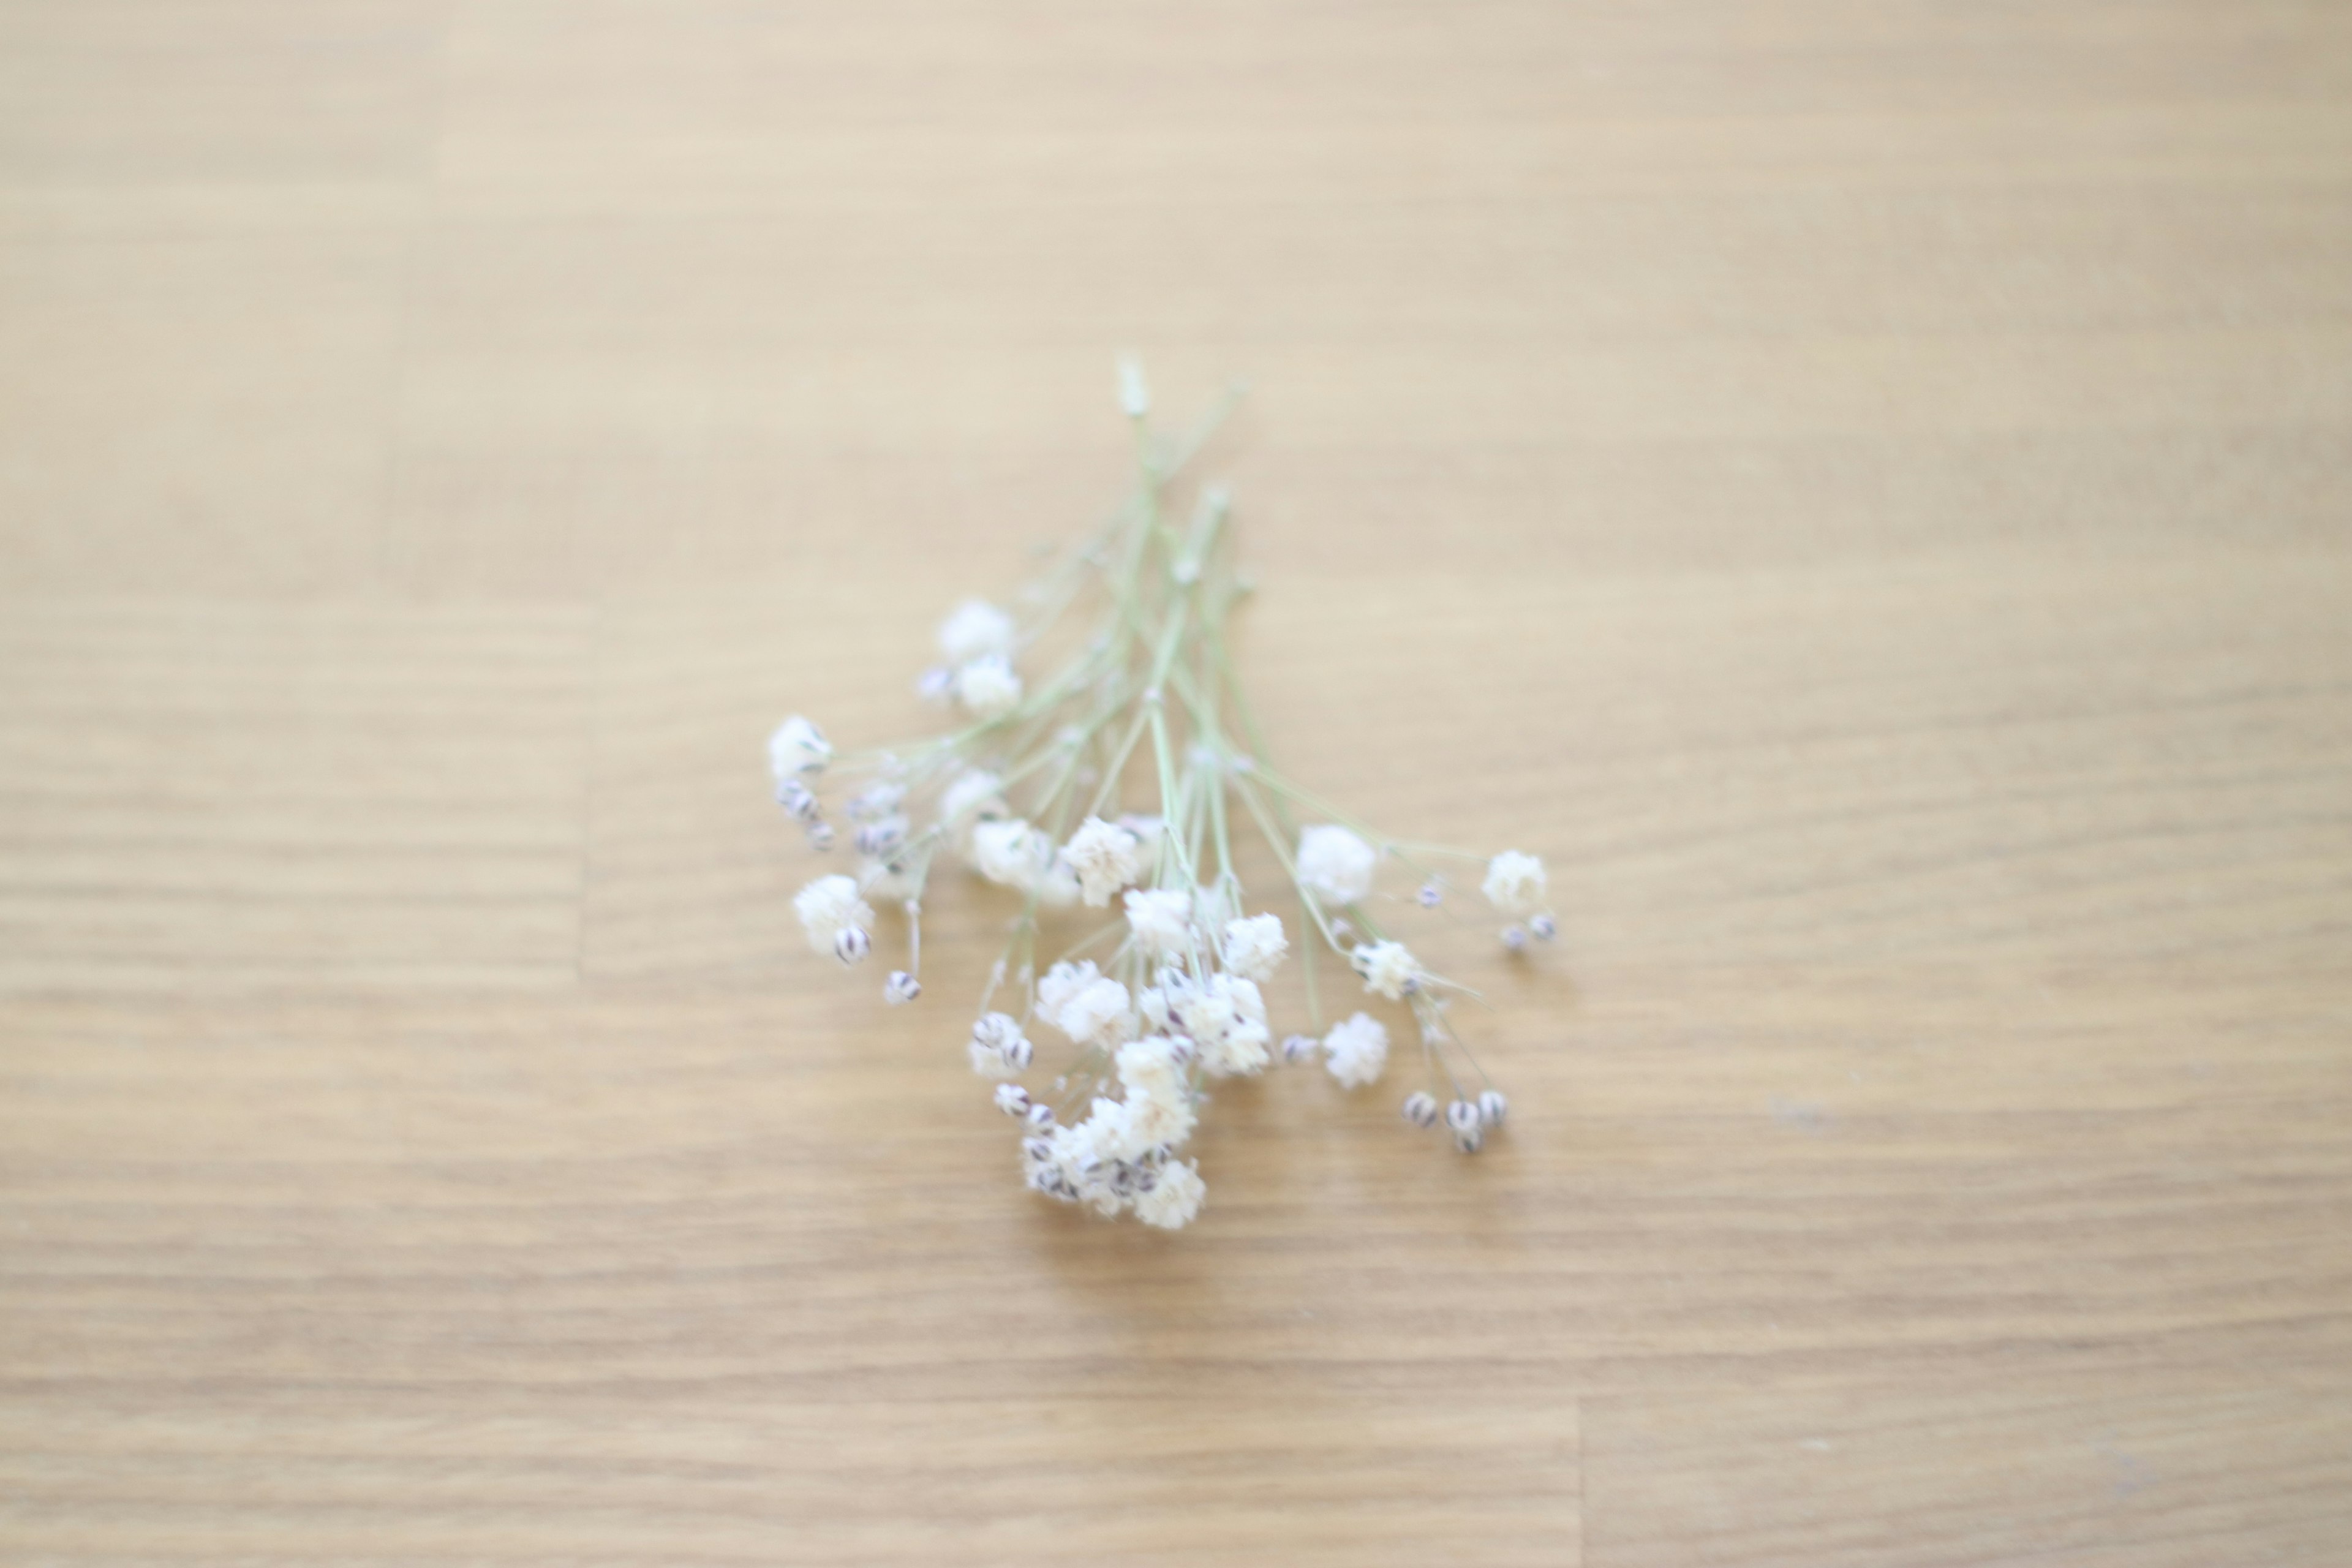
x=1420, y=1109
x=1254, y=946
x=1013, y=1099
x=1160, y=920
x=1106, y=858
x=1389, y=969
x=1493, y=1108
x=828, y=908
x=1515, y=883
x=1462, y=1118
x=1335, y=865
x=987, y=687
x=1012, y=853
x=1174, y=1199
x=976, y=629
x=798, y=747
x=1227, y=1018
x=1059, y=984
x=901, y=988
x=1158, y=1100
x=850, y=944
x=1089, y=1008
x=1357, y=1051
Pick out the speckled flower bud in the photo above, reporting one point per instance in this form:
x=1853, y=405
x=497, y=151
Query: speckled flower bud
x=1420, y=1109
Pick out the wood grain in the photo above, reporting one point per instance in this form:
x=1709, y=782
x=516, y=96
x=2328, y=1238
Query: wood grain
x=1865, y=490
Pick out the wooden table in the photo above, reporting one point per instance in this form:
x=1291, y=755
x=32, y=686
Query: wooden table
x=1862, y=488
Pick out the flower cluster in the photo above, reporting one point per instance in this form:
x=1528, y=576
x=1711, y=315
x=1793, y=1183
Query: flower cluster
x=1114, y=783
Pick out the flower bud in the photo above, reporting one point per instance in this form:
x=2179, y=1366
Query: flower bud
x=820, y=835
x=1013, y=1099
x=1493, y=1108
x=1544, y=926
x=1420, y=1109
x=1514, y=938
x=1430, y=896
x=1296, y=1048
x=852, y=944
x=1040, y=1117
x=901, y=988
x=798, y=800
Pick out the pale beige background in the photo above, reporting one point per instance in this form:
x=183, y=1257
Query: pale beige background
x=1862, y=487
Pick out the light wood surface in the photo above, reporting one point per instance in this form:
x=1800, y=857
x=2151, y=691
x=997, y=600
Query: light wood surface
x=1866, y=489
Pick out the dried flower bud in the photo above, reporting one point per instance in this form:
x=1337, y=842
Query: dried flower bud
x=901, y=988
x=1040, y=1117
x=1297, y=1049
x=797, y=799
x=850, y=944
x=820, y=835
x=1420, y=1109
x=1493, y=1108
x=1514, y=938
x=879, y=837
x=1544, y=926
x=1462, y=1115
x=1013, y=1099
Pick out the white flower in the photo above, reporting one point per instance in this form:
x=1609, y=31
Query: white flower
x=828, y=907
x=797, y=747
x=1356, y=1051
x=1254, y=946
x=1388, y=968
x=975, y=796
x=1335, y=865
x=1013, y=1099
x=1011, y=853
x=987, y=687
x=1061, y=983
x=1160, y=921
x=1227, y=1018
x=1515, y=883
x=1093, y=1012
x=975, y=630
x=1158, y=1100
x=1106, y=858
x=1174, y=1199
x=1151, y=1003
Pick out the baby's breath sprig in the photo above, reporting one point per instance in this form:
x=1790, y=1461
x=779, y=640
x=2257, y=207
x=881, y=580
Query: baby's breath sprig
x=1120, y=773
